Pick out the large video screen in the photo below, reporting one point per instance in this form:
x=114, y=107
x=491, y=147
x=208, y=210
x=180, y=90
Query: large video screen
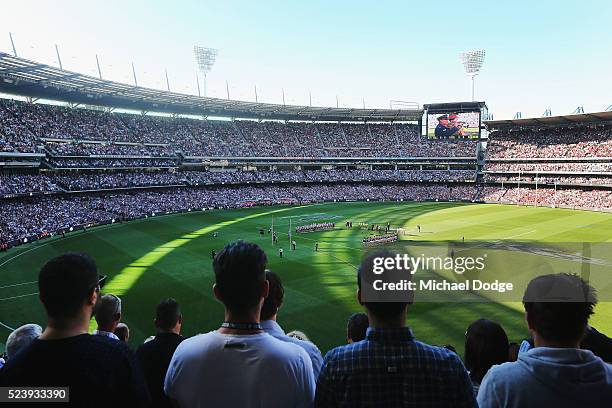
x=451, y=125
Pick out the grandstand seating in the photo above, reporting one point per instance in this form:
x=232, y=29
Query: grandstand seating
x=136, y=165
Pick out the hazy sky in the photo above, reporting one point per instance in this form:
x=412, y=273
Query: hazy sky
x=540, y=54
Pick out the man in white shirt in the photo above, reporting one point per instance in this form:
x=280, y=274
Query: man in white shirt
x=239, y=365
x=108, y=316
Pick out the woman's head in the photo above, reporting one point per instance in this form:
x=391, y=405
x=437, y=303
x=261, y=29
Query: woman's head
x=486, y=344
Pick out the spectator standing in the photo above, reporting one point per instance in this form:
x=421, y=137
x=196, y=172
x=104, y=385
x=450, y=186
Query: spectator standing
x=108, y=316
x=155, y=355
x=100, y=372
x=356, y=327
x=486, y=344
x=555, y=372
x=239, y=365
x=390, y=368
x=269, y=314
x=21, y=337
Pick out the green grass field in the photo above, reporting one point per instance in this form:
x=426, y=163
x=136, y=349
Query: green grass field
x=150, y=259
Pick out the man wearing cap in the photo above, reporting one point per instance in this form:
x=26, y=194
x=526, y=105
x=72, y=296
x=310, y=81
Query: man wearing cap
x=453, y=118
x=98, y=371
x=445, y=130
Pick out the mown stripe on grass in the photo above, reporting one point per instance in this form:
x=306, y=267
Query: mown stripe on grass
x=124, y=280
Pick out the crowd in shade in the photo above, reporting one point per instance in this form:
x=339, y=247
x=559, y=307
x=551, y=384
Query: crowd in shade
x=62, y=131
x=36, y=216
x=109, y=149
x=248, y=360
x=44, y=215
x=75, y=181
x=558, y=142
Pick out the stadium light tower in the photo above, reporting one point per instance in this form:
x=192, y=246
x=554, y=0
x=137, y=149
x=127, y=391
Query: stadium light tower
x=472, y=62
x=205, y=58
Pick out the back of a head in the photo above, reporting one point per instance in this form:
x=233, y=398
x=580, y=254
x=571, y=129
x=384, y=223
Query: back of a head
x=167, y=314
x=108, y=309
x=365, y=274
x=21, y=337
x=65, y=282
x=558, y=306
x=357, y=326
x=276, y=294
x=486, y=344
x=239, y=275
x=123, y=332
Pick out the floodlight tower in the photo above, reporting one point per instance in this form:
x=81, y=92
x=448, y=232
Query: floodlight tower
x=472, y=62
x=205, y=58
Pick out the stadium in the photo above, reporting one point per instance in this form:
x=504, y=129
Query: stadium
x=153, y=184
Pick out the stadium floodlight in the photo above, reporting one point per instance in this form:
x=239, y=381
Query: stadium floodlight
x=472, y=62
x=205, y=58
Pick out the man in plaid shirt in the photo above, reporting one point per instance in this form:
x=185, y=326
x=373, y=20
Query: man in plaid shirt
x=390, y=368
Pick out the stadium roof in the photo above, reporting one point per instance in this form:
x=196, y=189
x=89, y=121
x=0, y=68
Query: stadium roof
x=19, y=76
x=551, y=121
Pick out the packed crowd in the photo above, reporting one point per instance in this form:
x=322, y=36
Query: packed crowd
x=31, y=217
x=75, y=181
x=548, y=179
x=24, y=126
x=595, y=141
x=577, y=167
x=110, y=163
x=573, y=198
x=321, y=226
x=109, y=149
x=27, y=183
x=249, y=361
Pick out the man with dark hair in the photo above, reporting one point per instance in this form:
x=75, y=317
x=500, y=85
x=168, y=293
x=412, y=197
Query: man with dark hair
x=99, y=371
x=155, y=355
x=555, y=372
x=390, y=368
x=356, y=327
x=240, y=365
x=269, y=313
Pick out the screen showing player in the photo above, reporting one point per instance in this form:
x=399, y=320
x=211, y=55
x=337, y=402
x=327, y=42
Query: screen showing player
x=464, y=125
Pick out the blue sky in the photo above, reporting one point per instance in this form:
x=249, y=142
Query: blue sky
x=540, y=54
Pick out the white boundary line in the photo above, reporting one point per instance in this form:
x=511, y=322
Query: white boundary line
x=25, y=252
x=7, y=326
x=17, y=284
x=19, y=296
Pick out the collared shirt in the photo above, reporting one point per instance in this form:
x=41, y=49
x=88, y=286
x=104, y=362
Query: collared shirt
x=391, y=369
x=273, y=329
x=105, y=334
